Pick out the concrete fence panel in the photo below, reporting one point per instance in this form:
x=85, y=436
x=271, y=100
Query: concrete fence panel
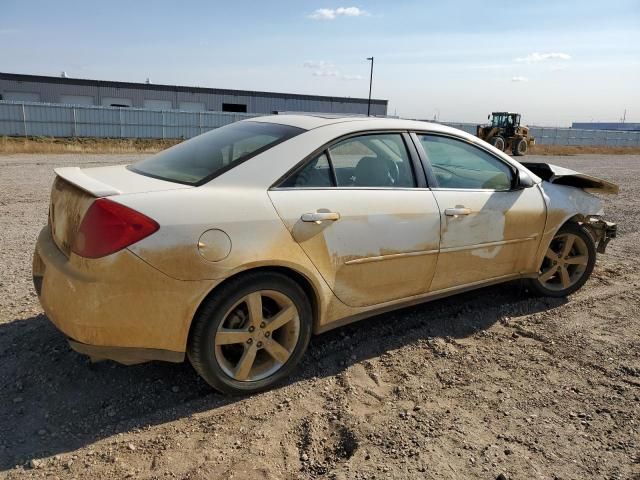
x=53, y=120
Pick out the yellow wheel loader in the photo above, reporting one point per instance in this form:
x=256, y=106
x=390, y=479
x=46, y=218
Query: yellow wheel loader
x=505, y=133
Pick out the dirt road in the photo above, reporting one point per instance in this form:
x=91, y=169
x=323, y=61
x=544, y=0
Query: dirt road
x=480, y=385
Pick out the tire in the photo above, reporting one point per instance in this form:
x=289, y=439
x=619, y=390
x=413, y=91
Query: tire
x=578, y=273
x=520, y=147
x=498, y=142
x=229, y=310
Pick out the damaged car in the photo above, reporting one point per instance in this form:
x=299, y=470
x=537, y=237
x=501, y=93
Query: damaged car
x=231, y=249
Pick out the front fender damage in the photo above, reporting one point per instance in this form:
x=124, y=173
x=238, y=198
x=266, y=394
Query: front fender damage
x=573, y=204
x=568, y=196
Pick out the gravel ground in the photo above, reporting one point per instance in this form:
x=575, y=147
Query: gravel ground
x=489, y=384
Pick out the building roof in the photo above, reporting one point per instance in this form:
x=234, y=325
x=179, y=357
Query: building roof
x=19, y=77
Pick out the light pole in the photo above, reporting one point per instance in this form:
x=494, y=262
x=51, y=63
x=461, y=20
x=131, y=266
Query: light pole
x=370, y=84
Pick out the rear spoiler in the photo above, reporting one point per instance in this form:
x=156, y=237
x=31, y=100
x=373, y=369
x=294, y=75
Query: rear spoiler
x=571, y=178
x=84, y=182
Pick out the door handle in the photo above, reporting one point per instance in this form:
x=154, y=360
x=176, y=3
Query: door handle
x=452, y=212
x=319, y=217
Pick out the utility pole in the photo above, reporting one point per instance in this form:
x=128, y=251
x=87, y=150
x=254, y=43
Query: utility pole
x=370, y=84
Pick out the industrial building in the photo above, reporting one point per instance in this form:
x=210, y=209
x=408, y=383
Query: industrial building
x=74, y=91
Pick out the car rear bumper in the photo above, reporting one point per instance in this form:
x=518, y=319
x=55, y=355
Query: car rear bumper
x=125, y=355
x=117, y=307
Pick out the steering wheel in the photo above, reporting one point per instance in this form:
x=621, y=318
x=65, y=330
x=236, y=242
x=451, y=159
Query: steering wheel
x=444, y=173
x=394, y=171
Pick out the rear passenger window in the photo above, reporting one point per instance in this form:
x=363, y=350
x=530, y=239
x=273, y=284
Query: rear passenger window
x=377, y=160
x=315, y=174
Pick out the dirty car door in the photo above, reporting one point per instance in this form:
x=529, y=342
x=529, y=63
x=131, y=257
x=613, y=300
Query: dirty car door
x=360, y=215
x=489, y=228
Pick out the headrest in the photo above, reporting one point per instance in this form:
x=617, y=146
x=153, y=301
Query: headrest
x=373, y=172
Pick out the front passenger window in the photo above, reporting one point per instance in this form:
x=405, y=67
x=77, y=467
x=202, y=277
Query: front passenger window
x=456, y=164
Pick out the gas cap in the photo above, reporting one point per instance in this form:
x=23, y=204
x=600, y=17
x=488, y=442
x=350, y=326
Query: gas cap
x=214, y=245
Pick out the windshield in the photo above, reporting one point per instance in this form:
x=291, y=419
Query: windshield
x=206, y=156
x=499, y=120
x=504, y=120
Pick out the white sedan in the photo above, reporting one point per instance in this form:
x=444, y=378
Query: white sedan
x=232, y=248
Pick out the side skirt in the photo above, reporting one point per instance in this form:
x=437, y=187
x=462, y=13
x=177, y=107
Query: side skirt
x=428, y=297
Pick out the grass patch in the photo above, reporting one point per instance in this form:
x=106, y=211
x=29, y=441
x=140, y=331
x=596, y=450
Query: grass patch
x=52, y=145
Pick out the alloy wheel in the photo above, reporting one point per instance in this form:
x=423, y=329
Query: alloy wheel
x=257, y=336
x=564, y=263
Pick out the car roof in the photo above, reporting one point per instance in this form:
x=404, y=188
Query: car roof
x=357, y=123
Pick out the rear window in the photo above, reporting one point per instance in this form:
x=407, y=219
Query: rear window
x=206, y=156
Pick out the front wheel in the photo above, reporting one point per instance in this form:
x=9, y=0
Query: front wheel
x=567, y=264
x=520, y=147
x=251, y=334
x=498, y=142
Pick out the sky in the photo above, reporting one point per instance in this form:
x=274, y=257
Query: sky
x=553, y=61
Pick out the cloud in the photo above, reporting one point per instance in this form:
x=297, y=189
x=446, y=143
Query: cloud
x=519, y=78
x=536, y=57
x=325, y=73
x=328, y=69
x=336, y=74
x=8, y=31
x=321, y=64
x=333, y=13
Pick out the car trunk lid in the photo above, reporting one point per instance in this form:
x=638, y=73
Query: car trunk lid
x=75, y=189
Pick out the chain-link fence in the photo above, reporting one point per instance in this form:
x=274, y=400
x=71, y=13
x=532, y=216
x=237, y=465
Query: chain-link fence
x=571, y=136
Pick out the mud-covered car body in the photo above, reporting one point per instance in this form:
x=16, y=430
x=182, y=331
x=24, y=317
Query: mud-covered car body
x=355, y=249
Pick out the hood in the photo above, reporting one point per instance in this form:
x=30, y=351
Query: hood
x=571, y=178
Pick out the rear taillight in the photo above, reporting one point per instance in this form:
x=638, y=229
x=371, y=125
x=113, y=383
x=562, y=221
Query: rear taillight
x=108, y=227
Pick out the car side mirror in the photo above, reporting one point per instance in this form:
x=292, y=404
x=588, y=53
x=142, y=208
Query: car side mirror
x=523, y=180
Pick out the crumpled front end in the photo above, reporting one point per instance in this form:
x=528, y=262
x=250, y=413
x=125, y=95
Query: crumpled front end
x=570, y=203
x=564, y=176
x=603, y=231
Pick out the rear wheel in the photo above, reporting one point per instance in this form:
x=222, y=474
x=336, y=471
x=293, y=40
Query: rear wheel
x=498, y=142
x=567, y=264
x=251, y=334
x=520, y=147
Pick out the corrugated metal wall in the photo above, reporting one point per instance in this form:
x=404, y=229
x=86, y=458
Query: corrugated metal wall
x=43, y=120
x=211, y=99
x=46, y=120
